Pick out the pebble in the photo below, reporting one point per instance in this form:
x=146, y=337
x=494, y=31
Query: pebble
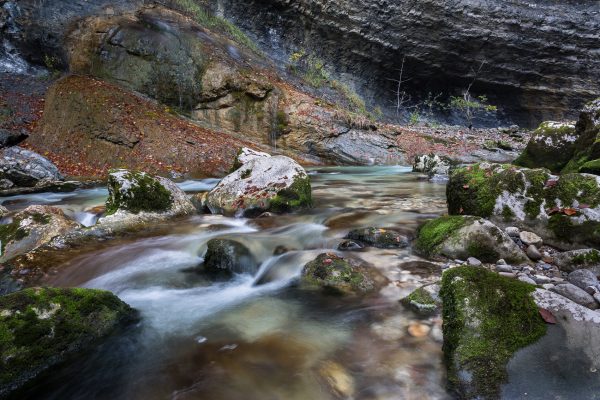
x=526, y=279
x=541, y=279
x=504, y=268
x=533, y=253
x=548, y=286
x=507, y=274
x=576, y=294
x=527, y=270
x=473, y=262
x=501, y=262
x=530, y=238
x=512, y=231
x=416, y=329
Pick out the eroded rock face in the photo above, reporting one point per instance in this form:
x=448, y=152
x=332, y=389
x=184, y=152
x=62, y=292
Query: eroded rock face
x=564, y=210
x=461, y=237
x=367, y=40
x=42, y=327
x=277, y=184
x=487, y=318
x=26, y=168
x=32, y=228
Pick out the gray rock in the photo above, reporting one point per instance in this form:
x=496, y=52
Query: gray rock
x=25, y=168
x=512, y=231
x=473, y=262
x=349, y=245
x=225, y=257
x=533, y=253
x=583, y=278
x=11, y=138
x=434, y=166
x=526, y=279
x=547, y=286
x=276, y=184
x=504, y=268
x=530, y=238
x=508, y=274
x=541, y=279
x=501, y=261
x=578, y=259
x=576, y=294
x=378, y=237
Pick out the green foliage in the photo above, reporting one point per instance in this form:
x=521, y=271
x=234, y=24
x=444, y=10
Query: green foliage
x=469, y=107
x=415, y=118
x=487, y=318
x=420, y=301
x=202, y=17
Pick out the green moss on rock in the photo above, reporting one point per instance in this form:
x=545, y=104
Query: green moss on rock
x=40, y=327
x=421, y=302
x=435, y=232
x=297, y=196
x=487, y=318
x=551, y=146
x=136, y=192
x=591, y=167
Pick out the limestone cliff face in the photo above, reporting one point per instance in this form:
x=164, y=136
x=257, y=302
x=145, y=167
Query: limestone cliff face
x=542, y=57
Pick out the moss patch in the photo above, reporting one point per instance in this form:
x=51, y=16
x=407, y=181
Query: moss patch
x=591, y=167
x=571, y=187
x=553, y=155
x=40, y=327
x=435, y=232
x=486, y=319
x=297, y=196
x=141, y=193
x=337, y=276
x=421, y=302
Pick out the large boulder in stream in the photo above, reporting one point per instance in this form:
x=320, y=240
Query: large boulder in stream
x=487, y=318
x=32, y=228
x=342, y=276
x=137, y=197
x=277, y=184
x=564, y=210
x=225, y=257
x=25, y=168
x=461, y=237
x=41, y=327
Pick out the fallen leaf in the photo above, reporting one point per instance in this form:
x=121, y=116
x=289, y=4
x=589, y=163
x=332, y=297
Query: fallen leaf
x=547, y=316
x=569, y=211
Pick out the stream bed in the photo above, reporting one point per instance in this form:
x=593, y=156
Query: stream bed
x=257, y=337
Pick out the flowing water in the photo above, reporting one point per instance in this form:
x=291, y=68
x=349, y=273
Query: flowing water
x=257, y=337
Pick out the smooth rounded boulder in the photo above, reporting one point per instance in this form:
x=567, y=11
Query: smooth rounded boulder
x=276, y=184
x=551, y=146
x=32, y=228
x=136, y=196
x=226, y=257
x=461, y=237
x=41, y=327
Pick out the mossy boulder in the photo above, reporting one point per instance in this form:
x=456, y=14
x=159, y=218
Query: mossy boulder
x=41, y=327
x=32, y=228
x=551, y=146
x=134, y=192
x=487, y=318
x=573, y=260
x=225, y=257
x=423, y=301
x=276, y=184
x=378, y=237
x=587, y=147
x=563, y=210
x=461, y=237
x=340, y=276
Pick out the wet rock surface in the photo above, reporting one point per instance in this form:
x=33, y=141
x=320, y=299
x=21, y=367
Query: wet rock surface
x=225, y=257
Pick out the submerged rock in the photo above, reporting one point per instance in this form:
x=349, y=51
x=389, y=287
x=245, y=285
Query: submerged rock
x=487, y=318
x=42, y=327
x=225, y=257
x=461, y=237
x=135, y=197
x=341, y=276
x=378, y=237
x=32, y=228
x=551, y=146
x=26, y=168
x=564, y=210
x=276, y=184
